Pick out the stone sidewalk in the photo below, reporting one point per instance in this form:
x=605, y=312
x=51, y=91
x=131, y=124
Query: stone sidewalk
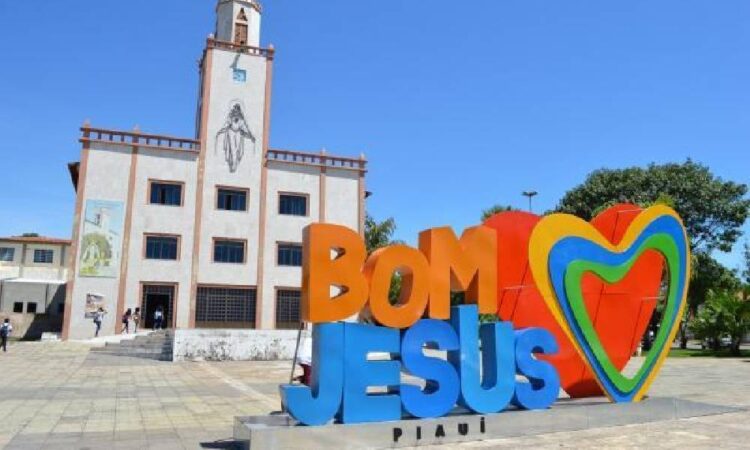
x=59, y=395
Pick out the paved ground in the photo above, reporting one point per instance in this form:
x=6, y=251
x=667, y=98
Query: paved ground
x=58, y=395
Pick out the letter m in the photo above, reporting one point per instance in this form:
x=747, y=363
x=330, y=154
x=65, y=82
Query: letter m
x=468, y=264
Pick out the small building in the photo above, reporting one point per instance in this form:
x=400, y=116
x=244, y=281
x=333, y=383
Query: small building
x=208, y=229
x=32, y=283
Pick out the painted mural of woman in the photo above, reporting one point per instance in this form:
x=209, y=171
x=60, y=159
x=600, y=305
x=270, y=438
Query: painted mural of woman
x=232, y=137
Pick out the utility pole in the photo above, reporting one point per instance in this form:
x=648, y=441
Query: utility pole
x=530, y=195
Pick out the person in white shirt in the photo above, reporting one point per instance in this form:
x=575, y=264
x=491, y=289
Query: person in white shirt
x=98, y=317
x=5, y=329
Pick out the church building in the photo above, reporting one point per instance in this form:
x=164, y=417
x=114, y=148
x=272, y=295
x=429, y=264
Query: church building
x=207, y=229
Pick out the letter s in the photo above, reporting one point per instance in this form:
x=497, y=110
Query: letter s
x=544, y=382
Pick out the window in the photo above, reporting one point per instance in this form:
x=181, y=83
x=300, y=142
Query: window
x=231, y=199
x=293, y=205
x=289, y=255
x=17, y=307
x=43, y=256
x=223, y=306
x=229, y=251
x=240, y=33
x=239, y=75
x=162, y=247
x=7, y=253
x=31, y=308
x=166, y=193
x=287, y=309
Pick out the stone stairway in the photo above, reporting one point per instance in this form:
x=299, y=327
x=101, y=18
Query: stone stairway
x=155, y=345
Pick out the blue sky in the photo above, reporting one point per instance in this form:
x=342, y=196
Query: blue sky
x=458, y=105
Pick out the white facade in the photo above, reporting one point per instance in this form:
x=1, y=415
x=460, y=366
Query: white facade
x=120, y=171
x=32, y=278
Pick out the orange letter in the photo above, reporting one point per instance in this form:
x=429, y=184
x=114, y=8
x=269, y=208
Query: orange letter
x=415, y=282
x=320, y=272
x=467, y=265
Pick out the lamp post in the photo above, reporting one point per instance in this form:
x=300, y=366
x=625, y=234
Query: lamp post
x=530, y=195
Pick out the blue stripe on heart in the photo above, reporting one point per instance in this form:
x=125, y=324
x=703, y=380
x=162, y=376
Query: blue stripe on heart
x=569, y=249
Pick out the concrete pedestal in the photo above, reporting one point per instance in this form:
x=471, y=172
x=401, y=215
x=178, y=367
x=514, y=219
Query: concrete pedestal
x=275, y=432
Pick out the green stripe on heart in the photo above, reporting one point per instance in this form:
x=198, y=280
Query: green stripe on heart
x=664, y=244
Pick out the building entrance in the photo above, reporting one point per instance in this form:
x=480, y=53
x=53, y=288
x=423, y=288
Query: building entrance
x=155, y=296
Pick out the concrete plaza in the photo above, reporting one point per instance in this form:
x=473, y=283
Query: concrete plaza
x=60, y=395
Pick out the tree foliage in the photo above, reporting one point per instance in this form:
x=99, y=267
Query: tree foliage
x=723, y=314
x=712, y=209
x=491, y=211
x=378, y=234
x=746, y=266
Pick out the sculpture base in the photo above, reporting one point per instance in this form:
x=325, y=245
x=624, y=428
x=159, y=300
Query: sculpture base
x=281, y=431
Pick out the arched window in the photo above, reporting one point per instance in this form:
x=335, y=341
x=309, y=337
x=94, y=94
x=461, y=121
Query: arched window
x=240, y=28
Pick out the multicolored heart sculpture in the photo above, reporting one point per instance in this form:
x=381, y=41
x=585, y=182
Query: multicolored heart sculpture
x=620, y=311
x=564, y=248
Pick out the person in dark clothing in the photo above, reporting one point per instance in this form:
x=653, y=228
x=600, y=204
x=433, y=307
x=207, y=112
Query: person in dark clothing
x=5, y=329
x=126, y=321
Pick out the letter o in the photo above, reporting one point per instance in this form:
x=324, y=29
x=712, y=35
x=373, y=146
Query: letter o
x=415, y=285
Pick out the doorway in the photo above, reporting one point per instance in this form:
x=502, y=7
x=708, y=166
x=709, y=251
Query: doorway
x=157, y=296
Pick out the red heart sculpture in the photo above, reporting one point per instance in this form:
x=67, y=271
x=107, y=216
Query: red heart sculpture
x=620, y=312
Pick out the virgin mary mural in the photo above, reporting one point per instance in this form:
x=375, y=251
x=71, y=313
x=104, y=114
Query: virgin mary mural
x=231, y=138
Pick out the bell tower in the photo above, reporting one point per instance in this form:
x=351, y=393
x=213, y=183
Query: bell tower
x=238, y=21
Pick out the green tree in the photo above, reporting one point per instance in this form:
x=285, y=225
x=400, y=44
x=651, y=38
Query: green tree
x=378, y=235
x=713, y=211
x=491, y=211
x=746, y=271
x=723, y=314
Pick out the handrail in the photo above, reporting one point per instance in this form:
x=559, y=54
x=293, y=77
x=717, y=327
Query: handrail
x=316, y=159
x=249, y=49
x=137, y=138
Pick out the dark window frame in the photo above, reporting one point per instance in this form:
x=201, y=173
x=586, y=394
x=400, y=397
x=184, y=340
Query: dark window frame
x=158, y=194
x=5, y=251
x=159, y=247
x=231, y=197
x=287, y=206
x=31, y=307
x=228, y=254
x=44, y=256
x=223, y=305
x=288, y=254
x=288, y=308
x=17, y=307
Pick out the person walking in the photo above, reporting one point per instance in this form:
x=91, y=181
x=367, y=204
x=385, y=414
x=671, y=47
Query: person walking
x=136, y=319
x=158, y=318
x=126, y=321
x=98, y=318
x=5, y=329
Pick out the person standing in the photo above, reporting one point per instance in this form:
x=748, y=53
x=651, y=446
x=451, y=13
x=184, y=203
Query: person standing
x=98, y=318
x=158, y=318
x=136, y=319
x=5, y=329
x=126, y=321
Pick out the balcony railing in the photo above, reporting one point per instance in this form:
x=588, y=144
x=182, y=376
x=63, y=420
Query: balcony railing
x=136, y=138
x=316, y=159
x=247, y=49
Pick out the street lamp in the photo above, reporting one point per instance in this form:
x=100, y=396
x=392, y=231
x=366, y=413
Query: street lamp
x=530, y=195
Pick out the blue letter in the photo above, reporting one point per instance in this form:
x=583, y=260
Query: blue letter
x=491, y=391
x=359, y=373
x=317, y=404
x=544, y=381
x=441, y=391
